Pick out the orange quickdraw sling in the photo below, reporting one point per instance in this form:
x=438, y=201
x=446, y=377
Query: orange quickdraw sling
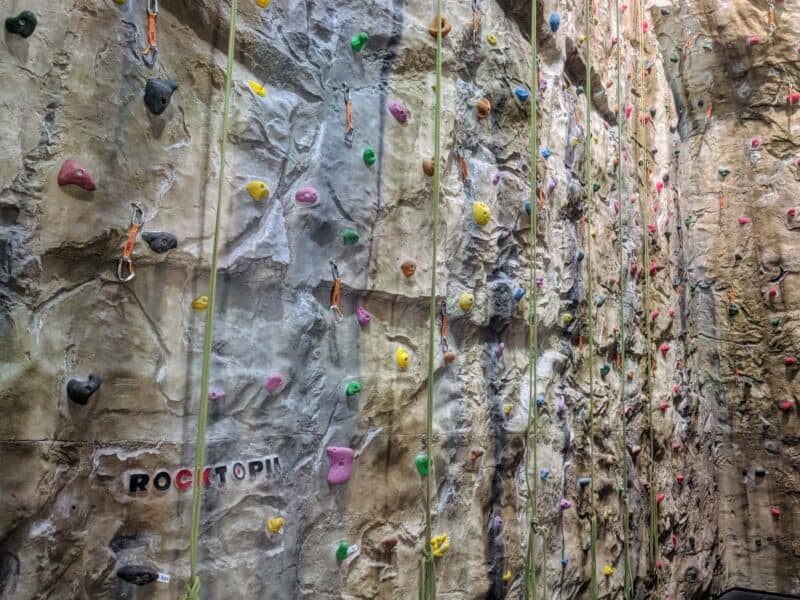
x=150, y=53
x=137, y=220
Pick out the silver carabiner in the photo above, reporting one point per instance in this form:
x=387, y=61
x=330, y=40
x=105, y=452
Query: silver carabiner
x=125, y=260
x=152, y=7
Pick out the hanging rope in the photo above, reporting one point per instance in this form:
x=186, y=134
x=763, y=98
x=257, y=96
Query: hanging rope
x=193, y=586
x=623, y=490
x=427, y=579
x=533, y=329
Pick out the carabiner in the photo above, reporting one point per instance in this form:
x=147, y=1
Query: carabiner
x=137, y=216
x=137, y=220
x=121, y=269
x=150, y=54
x=348, y=107
x=334, y=270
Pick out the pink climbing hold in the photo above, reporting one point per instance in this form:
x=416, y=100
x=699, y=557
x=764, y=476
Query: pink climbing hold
x=676, y=446
x=653, y=268
x=274, y=383
x=306, y=196
x=676, y=389
x=659, y=187
x=791, y=212
x=214, y=395
x=793, y=98
x=564, y=504
x=671, y=312
x=790, y=361
x=341, y=464
x=659, y=564
x=743, y=220
x=680, y=478
x=634, y=267
x=775, y=511
x=664, y=348
x=645, y=26
x=785, y=406
x=363, y=316
x=399, y=112
x=755, y=143
x=616, y=206
x=498, y=351
x=613, y=40
x=753, y=40
x=623, y=8
x=663, y=406
x=654, y=315
x=660, y=497
x=628, y=111
x=72, y=173
x=772, y=292
x=674, y=539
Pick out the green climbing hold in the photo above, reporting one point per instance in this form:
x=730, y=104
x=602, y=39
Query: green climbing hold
x=688, y=222
x=23, y=24
x=353, y=388
x=587, y=546
x=674, y=57
x=369, y=156
x=579, y=90
x=423, y=464
x=596, y=187
x=605, y=370
x=693, y=286
x=775, y=321
x=733, y=309
x=676, y=152
x=357, y=42
x=724, y=171
x=349, y=237
x=342, y=551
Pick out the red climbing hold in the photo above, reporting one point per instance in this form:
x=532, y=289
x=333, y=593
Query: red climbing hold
x=614, y=41
x=659, y=564
x=790, y=361
x=628, y=111
x=753, y=40
x=674, y=539
x=680, y=478
x=663, y=406
x=793, y=98
x=755, y=143
x=676, y=389
x=654, y=315
x=616, y=206
x=671, y=312
x=653, y=268
x=791, y=212
x=623, y=8
x=785, y=406
x=772, y=292
x=676, y=446
x=664, y=348
x=72, y=173
x=651, y=228
x=659, y=187
x=743, y=220
x=776, y=511
x=634, y=268
x=645, y=26
x=660, y=497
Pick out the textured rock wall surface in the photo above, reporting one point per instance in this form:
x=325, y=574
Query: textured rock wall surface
x=722, y=401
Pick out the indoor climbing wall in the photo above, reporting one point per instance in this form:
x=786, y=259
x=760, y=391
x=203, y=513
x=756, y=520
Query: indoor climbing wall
x=662, y=405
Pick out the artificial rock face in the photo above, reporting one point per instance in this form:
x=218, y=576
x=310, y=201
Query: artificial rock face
x=95, y=490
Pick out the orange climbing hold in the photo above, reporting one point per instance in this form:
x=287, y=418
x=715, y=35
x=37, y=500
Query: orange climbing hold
x=442, y=22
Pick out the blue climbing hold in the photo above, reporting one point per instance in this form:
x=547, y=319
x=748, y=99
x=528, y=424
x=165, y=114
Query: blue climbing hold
x=522, y=94
x=545, y=152
x=544, y=474
x=555, y=21
x=528, y=208
x=584, y=481
x=564, y=561
x=540, y=400
x=519, y=293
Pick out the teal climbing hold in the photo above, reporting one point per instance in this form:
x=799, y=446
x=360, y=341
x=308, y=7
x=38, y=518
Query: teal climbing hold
x=775, y=321
x=579, y=256
x=674, y=57
x=724, y=171
x=357, y=42
x=579, y=90
x=596, y=187
x=605, y=370
x=693, y=286
x=733, y=309
x=342, y=551
x=349, y=237
x=601, y=299
x=23, y=24
x=369, y=156
x=707, y=46
x=423, y=464
x=353, y=388
x=676, y=152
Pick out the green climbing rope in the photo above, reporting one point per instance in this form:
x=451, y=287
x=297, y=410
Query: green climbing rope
x=193, y=587
x=427, y=580
x=533, y=328
x=589, y=290
x=623, y=490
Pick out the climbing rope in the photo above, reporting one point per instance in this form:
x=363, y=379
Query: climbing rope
x=623, y=490
x=533, y=325
x=193, y=586
x=427, y=580
x=589, y=290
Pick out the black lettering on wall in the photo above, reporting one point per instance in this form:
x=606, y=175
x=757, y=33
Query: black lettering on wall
x=255, y=466
x=162, y=481
x=220, y=471
x=138, y=482
x=238, y=471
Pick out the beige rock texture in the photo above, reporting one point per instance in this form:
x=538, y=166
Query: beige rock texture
x=719, y=406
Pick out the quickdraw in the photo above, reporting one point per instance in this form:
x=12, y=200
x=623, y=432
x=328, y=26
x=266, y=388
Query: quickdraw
x=443, y=329
x=464, y=169
x=772, y=21
x=337, y=284
x=150, y=53
x=137, y=220
x=476, y=21
x=348, y=108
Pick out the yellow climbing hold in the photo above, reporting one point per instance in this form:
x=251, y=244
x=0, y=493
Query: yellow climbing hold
x=507, y=576
x=608, y=570
x=481, y=213
x=593, y=233
x=566, y=319
x=200, y=303
x=275, y=524
x=466, y=301
x=259, y=89
x=120, y=1
x=401, y=357
x=491, y=39
x=582, y=38
x=258, y=189
x=574, y=142
x=440, y=545
x=263, y=3
x=507, y=408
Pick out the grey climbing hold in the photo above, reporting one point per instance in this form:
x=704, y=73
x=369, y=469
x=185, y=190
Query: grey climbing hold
x=157, y=94
x=80, y=390
x=160, y=241
x=137, y=574
x=584, y=481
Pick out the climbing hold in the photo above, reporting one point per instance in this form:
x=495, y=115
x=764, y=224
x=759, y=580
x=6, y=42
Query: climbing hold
x=605, y=370
x=499, y=349
x=555, y=21
x=564, y=504
x=760, y=472
x=342, y=550
x=263, y=3
x=442, y=23
x=680, y=478
x=137, y=574
x=544, y=474
x=390, y=542
x=528, y=208
x=275, y=524
x=628, y=111
x=428, y=167
x=674, y=57
x=790, y=361
x=23, y=24
x=601, y=299
x=566, y=319
x=349, y=237
x=160, y=241
x=522, y=93
x=341, y=464
x=357, y=42
x=775, y=321
x=772, y=292
x=564, y=561
x=475, y=453
x=724, y=171
x=539, y=400
x=363, y=316
x=483, y=107
x=608, y=570
x=595, y=187
x=676, y=445
x=539, y=281
x=663, y=406
x=257, y=88
x=80, y=390
x=423, y=464
x=545, y=152
x=258, y=189
x=401, y=358
x=793, y=98
x=491, y=39
x=578, y=90
x=274, y=383
x=72, y=173
x=584, y=481
x=408, y=268
x=507, y=576
x=791, y=213
x=664, y=348
x=755, y=143
x=368, y=156
x=743, y=220
x=519, y=294
x=660, y=497
x=671, y=313
x=496, y=177
x=653, y=268
x=399, y=112
x=449, y=357
x=645, y=26
x=507, y=408
x=440, y=545
x=753, y=40
x=579, y=255
x=200, y=303
x=353, y=388
x=466, y=300
x=659, y=187
x=785, y=406
x=481, y=213
x=306, y=196
x=775, y=511
x=157, y=93
x=214, y=395
x=582, y=38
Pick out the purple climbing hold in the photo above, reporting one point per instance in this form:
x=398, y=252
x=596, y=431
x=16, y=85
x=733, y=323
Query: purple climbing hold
x=215, y=394
x=362, y=316
x=539, y=281
x=499, y=349
x=341, y=464
x=274, y=382
x=561, y=405
x=306, y=196
x=399, y=112
x=564, y=504
x=498, y=523
x=496, y=177
x=551, y=185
